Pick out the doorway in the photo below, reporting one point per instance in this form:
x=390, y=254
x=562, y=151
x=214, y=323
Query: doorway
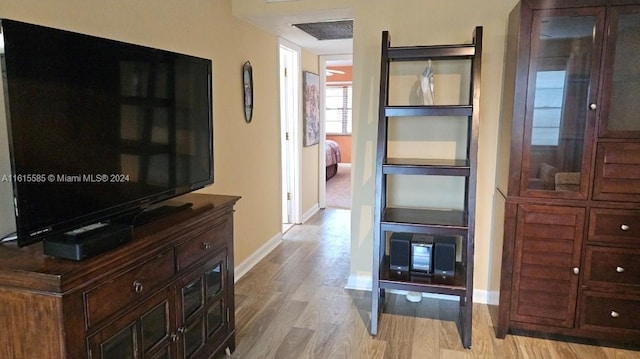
x=290, y=142
x=336, y=97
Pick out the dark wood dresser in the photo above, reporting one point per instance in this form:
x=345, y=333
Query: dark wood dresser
x=570, y=170
x=166, y=294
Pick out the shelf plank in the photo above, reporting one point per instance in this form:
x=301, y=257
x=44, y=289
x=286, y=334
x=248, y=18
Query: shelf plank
x=416, y=111
x=423, y=283
x=441, y=110
x=419, y=166
x=437, y=52
x=426, y=221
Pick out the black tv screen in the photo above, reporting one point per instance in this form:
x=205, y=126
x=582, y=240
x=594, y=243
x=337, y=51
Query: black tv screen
x=98, y=127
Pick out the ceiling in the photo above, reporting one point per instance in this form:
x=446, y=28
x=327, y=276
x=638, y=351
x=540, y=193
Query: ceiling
x=282, y=26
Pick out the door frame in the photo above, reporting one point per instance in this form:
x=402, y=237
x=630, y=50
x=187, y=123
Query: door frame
x=290, y=88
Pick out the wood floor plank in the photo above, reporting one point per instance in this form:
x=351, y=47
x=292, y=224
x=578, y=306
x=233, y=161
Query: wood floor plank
x=505, y=348
x=294, y=343
x=276, y=331
x=328, y=305
x=373, y=349
x=293, y=304
x=481, y=333
x=256, y=318
x=425, y=339
x=349, y=337
x=532, y=348
x=322, y=342
x=452, y=354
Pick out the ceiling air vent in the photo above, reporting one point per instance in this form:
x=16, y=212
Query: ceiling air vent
x=328, y=30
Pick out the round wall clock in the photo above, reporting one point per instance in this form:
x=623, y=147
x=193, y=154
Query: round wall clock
x=247, y=83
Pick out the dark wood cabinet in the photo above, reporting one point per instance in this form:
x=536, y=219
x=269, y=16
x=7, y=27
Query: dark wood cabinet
x=547, y=258
x=167, y=294
x=571, y=181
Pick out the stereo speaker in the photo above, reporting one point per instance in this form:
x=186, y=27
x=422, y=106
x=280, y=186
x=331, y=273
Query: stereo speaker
x=399, y=251
x=444, y=256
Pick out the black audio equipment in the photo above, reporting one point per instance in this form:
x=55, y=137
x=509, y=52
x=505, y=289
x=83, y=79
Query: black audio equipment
x=399, y=252
x=88, y=241
x=444, y=256
x=421, y=253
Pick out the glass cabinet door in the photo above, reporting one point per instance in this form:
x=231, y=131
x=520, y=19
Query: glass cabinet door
x=201, y=315
x=215, y=300
x=141, y=333
x=563, y=68
x=619, y=117
x=120, y=345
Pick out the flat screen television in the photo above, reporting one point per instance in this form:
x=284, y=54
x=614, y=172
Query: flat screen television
x=97, y=128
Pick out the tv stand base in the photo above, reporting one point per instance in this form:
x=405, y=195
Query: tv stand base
x=162, y=210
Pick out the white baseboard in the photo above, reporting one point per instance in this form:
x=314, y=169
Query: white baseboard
x=310, y=213
x=360, y=282
x=246, y=265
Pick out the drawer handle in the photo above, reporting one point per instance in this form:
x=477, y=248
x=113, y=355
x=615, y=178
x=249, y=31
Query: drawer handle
x=206, y=245
x=614, y=314
x=624, y=227
x=137, y=287
x=619, y=269
x=576, y=270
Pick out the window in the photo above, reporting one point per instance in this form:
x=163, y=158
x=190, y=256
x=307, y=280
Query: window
x=338, y=109
x=547, y=109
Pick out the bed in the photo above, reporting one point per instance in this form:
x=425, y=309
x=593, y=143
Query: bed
x=332, y=157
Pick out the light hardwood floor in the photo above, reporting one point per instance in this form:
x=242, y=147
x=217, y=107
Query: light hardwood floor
x=294, y=304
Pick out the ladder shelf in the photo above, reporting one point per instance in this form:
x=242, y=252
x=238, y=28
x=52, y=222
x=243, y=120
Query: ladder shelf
x=434, y=222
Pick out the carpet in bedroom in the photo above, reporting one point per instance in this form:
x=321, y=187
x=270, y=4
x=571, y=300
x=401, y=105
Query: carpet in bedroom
x=339, y=188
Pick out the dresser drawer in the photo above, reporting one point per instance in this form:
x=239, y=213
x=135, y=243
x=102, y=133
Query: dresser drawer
x=617, y=172
x=602, y=311
x=612, y=266
x=136, y=283
x=201, y=245
x=614, y=226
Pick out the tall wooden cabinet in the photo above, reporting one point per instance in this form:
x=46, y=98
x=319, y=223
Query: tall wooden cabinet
x=167, y=294
x=570, y=165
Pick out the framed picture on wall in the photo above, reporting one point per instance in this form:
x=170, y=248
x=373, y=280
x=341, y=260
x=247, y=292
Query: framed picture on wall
x=311, y=97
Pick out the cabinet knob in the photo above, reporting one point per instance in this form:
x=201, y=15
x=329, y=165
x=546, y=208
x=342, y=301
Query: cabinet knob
x=206, y=245
x=619, y=269
x=174, y=337
x=576, y=270
x=137, y=287
x=181, y=330
x=624, y=227
x=614, y=314
x=593, y=106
